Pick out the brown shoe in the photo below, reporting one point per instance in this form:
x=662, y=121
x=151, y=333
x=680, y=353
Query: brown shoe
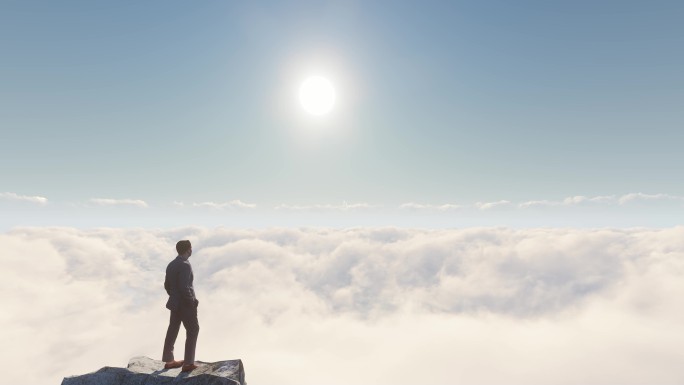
x=173, y=364
x=189, y=368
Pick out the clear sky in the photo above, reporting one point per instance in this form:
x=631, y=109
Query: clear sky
x=438, y=103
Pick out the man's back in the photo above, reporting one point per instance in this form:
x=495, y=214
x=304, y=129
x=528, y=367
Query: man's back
x=179, y=284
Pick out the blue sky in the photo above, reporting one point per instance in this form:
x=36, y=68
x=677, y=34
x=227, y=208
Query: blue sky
x=438, y=103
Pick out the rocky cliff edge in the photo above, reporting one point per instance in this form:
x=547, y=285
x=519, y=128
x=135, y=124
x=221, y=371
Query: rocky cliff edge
x=146, y=371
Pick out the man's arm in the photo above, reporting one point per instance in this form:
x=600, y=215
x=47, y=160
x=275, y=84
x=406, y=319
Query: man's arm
x=167, y=287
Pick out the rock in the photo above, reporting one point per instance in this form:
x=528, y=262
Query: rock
x=146, y=371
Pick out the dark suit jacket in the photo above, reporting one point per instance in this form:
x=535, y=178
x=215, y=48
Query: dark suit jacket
x=178, y=285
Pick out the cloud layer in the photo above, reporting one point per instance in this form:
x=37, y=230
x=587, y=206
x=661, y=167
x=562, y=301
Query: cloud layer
x=364, y=305
x=575, y=200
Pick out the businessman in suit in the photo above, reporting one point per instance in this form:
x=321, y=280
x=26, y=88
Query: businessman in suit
x=183, y=306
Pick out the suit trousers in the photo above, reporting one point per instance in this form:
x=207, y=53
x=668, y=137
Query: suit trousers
x=188, y=316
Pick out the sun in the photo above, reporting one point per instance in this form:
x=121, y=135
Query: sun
x=317, y=95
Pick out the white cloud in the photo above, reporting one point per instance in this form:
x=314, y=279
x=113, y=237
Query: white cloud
x=324, y=207
x=539, y=203
x=234, y=204
x=569, y=201
x=491, y=205
x=420, y=206
x=25, y=198
x=651, y=197
x=578, y=199
x=476, y=306
x=119, y=202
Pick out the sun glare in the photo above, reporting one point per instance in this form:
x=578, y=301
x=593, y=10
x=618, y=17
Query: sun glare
x=317, y=95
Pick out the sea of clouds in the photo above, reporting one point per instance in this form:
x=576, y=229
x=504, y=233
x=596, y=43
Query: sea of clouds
x=355, y=306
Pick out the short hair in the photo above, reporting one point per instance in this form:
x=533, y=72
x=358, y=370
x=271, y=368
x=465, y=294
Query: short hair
x=183, y=246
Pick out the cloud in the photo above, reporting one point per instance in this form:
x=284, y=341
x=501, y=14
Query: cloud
x=325, y=207
x=569, y=201
x=603, y=199
x=476, y=305
x=420, y=206
x=578, y=199
x=491, y=205
x=234, y=204
x=650, y=197
x=539, y=203
x=25, y=198
x=119, y=202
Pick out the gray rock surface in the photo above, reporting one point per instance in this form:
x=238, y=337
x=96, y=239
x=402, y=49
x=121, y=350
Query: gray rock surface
x=146, y=371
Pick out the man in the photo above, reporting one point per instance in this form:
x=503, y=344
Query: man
x=183, y=306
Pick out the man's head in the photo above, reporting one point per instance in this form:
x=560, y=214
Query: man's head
x=184, y=248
